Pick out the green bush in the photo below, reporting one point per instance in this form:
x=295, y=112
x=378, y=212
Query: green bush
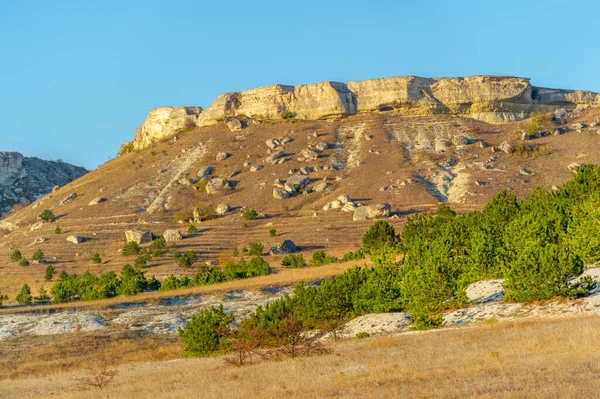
x=186, y=259
x=16, y=255
x=2, y=299
x=192, y=229
x=38, y=255
x=357, y=255
x=23, y=262
x=57, y=230
x=141, y=261
x=96, y=258
x=242, y=269
x=204, y=334
x=24, y=296
x=47, y=216
x=250, y=214
x=380, y=234
x=288, y=114
x=43, y=296
x=50, y=272
x=256, y=249
x=158, y=247
x=362, y=335
x=320, y=258
x=131, y=248
x=272, y=233
x=293, y=260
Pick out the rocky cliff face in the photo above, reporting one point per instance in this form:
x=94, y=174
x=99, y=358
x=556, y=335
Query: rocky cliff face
x=493, y=99
x=24, y=179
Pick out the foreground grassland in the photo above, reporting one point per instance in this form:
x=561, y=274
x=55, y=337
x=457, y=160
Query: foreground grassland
x=530, y=358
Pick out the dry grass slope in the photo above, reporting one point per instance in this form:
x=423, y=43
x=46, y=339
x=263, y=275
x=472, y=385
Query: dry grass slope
x=533, y=358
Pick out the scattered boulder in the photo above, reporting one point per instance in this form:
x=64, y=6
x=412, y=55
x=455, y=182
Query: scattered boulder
x=68, y=199
x=283, y=248
x=256, y=168
x=274, y=157
x=279, y=193
x=234, y=124
x=578, y=126
x=306, y=170
x=96, y=201
x=322, y=146
x=55, y=188
x=222, y=156
x=506, y=147
x=559, y=131
x=372, y=212
x=75, y=239
x=296, y=183
x=273, y=143
x=172, y=235
x=140, y=237
x=205, y=171
x=217, y=184
x=222, y=209
x=460, y=140
x=320, y=187
x=309, y=154
x=560, y=116
x=525, y=172
x=574, y=167
x=185, y=181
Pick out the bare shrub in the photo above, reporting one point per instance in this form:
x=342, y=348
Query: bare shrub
x=97, y=376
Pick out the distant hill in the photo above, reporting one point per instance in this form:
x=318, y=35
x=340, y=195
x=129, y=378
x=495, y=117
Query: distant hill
x=26, y=179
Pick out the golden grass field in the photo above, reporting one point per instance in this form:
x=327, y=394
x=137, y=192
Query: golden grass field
x=529, y=358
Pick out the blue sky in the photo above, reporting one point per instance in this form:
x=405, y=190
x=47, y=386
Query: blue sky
x=77, y=77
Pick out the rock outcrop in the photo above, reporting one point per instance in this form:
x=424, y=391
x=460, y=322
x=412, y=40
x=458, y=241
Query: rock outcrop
x=164, y=122
x=494, y=99
x=24, y=179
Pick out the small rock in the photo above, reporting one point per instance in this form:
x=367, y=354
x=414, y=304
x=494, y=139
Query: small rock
x=283, y=248
x=271, y=159
x=372, y=212
x=37, y=226
x=140, y=237
x=296, y=183
x=205, y=171
x=560, y=116
x=234, y=124
x=75, y=239
x=184, y=181
x=217, y=184
x=222, y=156
x=574, y=167
x=172, y=235
x=320, y=187
x=256, y=168
x=68, y=199
x=322, y=146
x=96, y=201
x=273, y=143
x=310, y=154
x=222, y=209
x=525, y=172
x=506, y=147
x=559, y=131
x=279, y=193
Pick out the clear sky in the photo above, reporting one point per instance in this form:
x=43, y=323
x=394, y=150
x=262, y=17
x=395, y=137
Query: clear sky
x=77, y=77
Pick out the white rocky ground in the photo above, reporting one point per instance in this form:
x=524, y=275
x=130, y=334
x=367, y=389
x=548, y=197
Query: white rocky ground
x=165, y=316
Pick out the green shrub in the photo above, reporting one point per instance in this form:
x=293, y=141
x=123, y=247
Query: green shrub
x=245, y=225
x=362, y=334
x=250, y=214
x=256, y=249
x=379, y=235
x=24, y=296
x=158, y=247
x=320, y=258
x=293, y=260
x=131, y=248
x=23, y=262
x=57, y=230
x=50, y=272
x=16, y=255
x=357, y=255
x=141, y=261
x=204, y=334
x=192, y=229
x=272, y=233
x=132, y=281
x=242, y=269
x=47, y=216
x=38, y=255
x=534, y=125
x=2, y=299
x=427, y=321
x=43, y=296
x=96, y=258
x=186, y=259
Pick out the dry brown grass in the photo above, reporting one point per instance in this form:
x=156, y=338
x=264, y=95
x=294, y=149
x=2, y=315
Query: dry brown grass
x=533, y=358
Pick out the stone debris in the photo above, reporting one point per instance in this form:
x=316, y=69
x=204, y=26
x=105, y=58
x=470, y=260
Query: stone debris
x=140, y=237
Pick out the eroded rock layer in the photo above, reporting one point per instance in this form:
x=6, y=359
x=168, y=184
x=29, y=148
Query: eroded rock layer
x=493, y=99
